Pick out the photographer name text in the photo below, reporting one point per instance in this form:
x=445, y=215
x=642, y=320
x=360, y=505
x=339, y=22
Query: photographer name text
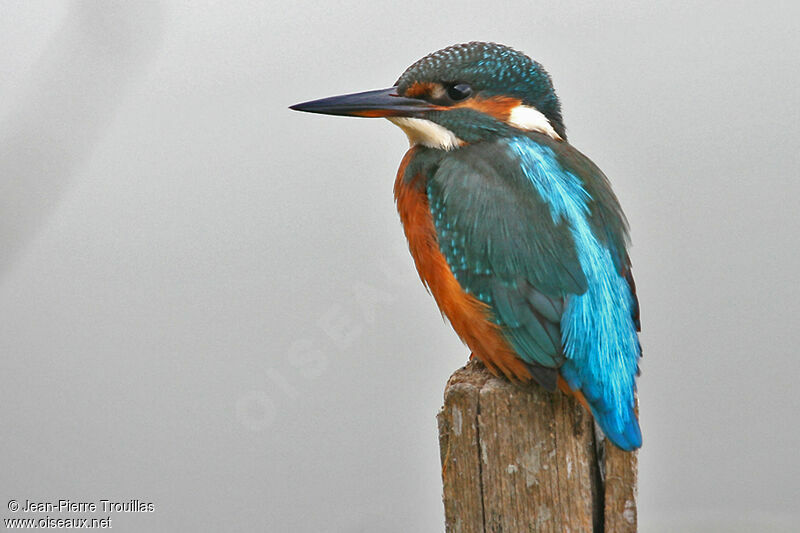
x=71, y=506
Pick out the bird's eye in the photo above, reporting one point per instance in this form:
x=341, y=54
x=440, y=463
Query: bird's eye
x=459, y=91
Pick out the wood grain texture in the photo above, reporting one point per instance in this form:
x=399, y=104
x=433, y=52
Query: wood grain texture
x=621, y=478
x=520, y=459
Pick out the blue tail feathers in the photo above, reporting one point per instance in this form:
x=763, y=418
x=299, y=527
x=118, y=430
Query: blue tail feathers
x=615, y=414
x=600, y=324
x=623, y=430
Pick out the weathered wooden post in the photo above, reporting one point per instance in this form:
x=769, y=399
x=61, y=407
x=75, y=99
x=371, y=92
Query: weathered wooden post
x=524, y=460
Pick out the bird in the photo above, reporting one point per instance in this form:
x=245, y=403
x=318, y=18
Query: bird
x=517, y=235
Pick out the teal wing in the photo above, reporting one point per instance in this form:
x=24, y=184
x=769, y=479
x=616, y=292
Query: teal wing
x=504, y=248
x=531, y=227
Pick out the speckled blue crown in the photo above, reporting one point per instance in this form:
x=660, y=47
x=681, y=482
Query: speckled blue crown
x=491, y=69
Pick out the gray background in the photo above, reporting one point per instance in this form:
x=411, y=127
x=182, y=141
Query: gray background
x=206, y=301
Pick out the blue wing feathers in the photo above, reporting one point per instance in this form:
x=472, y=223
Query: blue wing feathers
x=532, y=228
x=525, y=329
x=599, y=327
x=549, y=308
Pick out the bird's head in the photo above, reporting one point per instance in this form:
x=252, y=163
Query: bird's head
x=459, y=95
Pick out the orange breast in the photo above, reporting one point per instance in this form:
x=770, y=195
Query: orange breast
x=468, y=315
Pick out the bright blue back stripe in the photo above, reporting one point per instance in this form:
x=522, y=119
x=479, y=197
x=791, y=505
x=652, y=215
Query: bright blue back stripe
x=598, y=332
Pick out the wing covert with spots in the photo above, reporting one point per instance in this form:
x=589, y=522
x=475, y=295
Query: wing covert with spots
x=504, y=248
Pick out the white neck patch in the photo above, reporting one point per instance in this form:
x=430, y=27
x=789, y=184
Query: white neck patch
x=531, y=119
x=427, y=133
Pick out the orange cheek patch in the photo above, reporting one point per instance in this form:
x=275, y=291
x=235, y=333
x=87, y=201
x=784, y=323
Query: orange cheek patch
x=499, y=107
x=419, y=89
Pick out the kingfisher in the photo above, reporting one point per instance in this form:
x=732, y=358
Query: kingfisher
x=516, y=234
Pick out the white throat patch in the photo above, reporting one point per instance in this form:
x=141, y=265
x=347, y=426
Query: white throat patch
x=427, y=133
x=531, y=119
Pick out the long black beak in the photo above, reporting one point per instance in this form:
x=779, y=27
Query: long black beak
x=380, y=103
